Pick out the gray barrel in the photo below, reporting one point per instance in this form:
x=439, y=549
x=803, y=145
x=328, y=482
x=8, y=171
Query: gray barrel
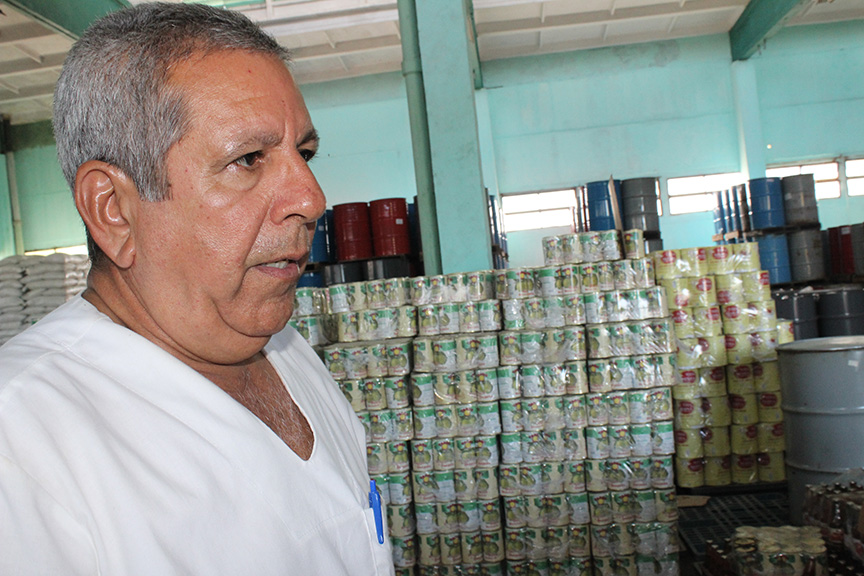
x=805, y=255
x=653, y=245
x=858, y=248
x=799, y=200
x=800, y=308
x=841, y=310
x=639, y=197
x=823, y=409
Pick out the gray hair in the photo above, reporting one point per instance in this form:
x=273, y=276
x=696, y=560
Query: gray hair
x=113, y=102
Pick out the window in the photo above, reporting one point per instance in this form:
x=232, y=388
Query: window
x=82, y=249
x=826, y=175
x=538, y=210
x=855, y=177
x=697, y=193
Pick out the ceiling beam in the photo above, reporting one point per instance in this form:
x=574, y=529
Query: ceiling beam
x=759, y=21
x=67, y=18
x=25, y=94
x=606, y=17
x=345, y=48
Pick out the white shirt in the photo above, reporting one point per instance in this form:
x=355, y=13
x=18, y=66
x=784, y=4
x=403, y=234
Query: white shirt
x=116, y=458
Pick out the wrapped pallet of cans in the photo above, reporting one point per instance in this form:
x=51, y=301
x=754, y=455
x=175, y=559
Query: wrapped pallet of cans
x=776, y=551
x=728, y=421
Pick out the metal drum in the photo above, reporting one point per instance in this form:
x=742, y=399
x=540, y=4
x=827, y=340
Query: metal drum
x=800, y=308
x=719, y=215
x=841, y=310
x=730, y=207
x=600, y=216
x=766, y=203
x=799, y=200
x=805, y=255
x=742, y=207
x=774, y=254
x=823, y=409
x=640, y=204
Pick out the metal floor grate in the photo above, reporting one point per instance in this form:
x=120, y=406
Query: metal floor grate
x=718, y=519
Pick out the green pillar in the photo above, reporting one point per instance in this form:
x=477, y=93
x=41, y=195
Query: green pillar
x=446, y=47
x=750, y=139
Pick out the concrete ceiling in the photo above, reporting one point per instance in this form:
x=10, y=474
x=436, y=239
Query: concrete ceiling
x=333, y=39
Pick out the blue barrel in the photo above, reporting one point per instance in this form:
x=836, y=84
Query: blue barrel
x=766, y=203
x=774, y=255
x=729, y=211
x=719, y=214
x=600, y=215
x=320, y=249
x=311, y=280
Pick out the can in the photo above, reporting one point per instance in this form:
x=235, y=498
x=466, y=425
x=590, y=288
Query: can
x=736, y=319
x=423, y=454
x=554, y=406
x=716, y=411
x=599, y=345
x=667, y=505
x=702, y=291
x=634, y=243
x=511, y=415
x=354, y=393
x=620, y=339
x=520, y=282
x=662, y=472
x=426, y=520
x=645, y=506
x=739, y=349
x=688, y=444
x=451, y=549
x=399, y=484
x=766, y=377
x=404, y=551
x=746, y=256
x=678, y=292
x=489, y=315
x=739, y=379
x=574, y=476
x=508, y=477
x=589, y=278
x=493, y=550
x=663, y=437
x=624, y=275
x=689, y=473
x=597, y=409
x=712, y=382
x=396, y=392
x=533, y=313
x=757, y=286
x=618, y=473
x=619, y=409
x=398, y=461
x=599, y=375
x=574, y=309
x=489, y=418
x=486, y=480
x=571, y=248
x=445, y=421
x=467, y=420
x=707, y=321
x=423, y=484
x=597, y=442
x=623, y=373
x=595, y=475
x=438, y=289
x=644, y=271
x=580, y=549
x=771, y=437
x=745, y=409
x=600, y=508
x=575, y=447
x=720, y=260
x=381, y=425
x=764, y=345
x=509, y=382
x=399, y=356
x=595, y=308
x=568, y=280
x=554, y=348
x=718, y=470
x=666, y=368
x=730, y=289
x=640, y=435
x=661, y=403
x=744, y=439
x=684, y=324
x=638, y=406
x=667, y=264
x=785, y=331
x=419, y=290
x=376, y=457
x=610, y=245
x=531, y=343
x=716, y=441
x=744, y=469
x=769, y=404
x=592, y=250
x=771, y=467
x=576, y=377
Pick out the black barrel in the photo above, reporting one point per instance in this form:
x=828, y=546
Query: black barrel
x=800, y=308
x=799, y=200
x=639, y=196
x=841, y=310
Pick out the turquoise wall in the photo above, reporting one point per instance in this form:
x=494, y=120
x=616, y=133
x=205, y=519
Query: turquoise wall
x=660, y=109
x=365, y=149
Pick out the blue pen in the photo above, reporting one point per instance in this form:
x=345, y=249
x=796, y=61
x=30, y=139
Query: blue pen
x=375, y=504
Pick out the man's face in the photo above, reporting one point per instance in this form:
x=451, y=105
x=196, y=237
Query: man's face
x=216, y=265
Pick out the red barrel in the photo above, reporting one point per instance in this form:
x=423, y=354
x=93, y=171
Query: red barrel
x=352, y=235
x=390, y=232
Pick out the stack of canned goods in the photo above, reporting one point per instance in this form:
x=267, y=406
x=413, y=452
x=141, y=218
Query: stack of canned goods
x=728, y=420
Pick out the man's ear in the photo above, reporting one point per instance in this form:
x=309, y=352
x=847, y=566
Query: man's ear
x=107, y=199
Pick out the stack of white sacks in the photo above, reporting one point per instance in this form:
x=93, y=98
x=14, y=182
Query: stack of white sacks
x=33, y=286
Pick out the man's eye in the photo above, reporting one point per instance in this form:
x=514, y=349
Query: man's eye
x=248, y=160
x=307, y=154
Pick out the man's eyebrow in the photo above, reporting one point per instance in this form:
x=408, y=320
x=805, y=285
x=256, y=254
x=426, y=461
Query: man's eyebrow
x=258, y=140
x=310, y=137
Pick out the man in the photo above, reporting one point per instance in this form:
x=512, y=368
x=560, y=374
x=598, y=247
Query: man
x=166, y=421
